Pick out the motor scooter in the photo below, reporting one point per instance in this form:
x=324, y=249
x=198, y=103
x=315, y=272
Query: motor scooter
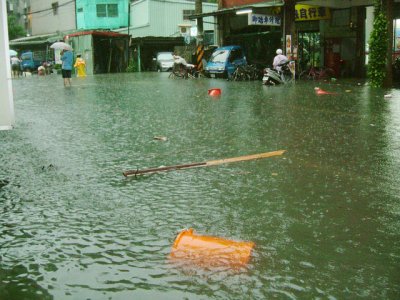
x=274, y=77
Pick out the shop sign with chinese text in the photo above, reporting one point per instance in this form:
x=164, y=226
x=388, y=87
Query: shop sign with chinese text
x=311, y=13
x=268, y=20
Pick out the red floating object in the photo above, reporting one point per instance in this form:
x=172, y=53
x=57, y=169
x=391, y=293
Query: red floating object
x=322, y=92
x=214, y=92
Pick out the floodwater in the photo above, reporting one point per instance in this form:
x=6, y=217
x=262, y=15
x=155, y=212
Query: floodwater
x=324, y=217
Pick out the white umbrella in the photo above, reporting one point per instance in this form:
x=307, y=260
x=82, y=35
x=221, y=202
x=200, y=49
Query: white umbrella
x=12, y=52
x=61, y=46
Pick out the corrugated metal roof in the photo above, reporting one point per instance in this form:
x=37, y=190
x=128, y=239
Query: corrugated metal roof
x=37, y=39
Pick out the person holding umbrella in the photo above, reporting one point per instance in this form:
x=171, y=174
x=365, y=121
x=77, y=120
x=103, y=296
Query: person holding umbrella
x=15, y=66
x=66, y=68
x=67, y=60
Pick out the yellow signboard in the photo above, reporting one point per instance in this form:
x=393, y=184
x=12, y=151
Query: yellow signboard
x=311, y=13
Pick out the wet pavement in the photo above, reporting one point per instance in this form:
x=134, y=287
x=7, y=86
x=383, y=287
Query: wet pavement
x=324, y=216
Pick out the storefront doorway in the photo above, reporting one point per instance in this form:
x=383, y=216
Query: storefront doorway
x=309, y=50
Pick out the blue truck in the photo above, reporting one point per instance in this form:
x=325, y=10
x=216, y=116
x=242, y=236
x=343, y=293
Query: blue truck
x=224, y=61
x=31, y=61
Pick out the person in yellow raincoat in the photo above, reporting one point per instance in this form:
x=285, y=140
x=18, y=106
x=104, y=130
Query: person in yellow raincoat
x=80, y=66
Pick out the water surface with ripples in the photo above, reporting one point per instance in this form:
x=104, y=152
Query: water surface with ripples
x=324, y=216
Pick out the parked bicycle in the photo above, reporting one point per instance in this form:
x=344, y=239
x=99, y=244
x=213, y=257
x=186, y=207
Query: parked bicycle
x=182, y=71
x=314, y=73
x=246, y=72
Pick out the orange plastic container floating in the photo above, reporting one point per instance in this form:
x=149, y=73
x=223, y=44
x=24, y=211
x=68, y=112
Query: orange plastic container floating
x=214, y=92
x=209, y=250
x=322, y=92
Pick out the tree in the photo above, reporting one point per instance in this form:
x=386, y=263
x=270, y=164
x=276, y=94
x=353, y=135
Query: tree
x=14, y=29
x=388, y=11
x=378, y=44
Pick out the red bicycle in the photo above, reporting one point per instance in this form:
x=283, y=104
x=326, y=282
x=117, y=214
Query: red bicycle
x=317, y=73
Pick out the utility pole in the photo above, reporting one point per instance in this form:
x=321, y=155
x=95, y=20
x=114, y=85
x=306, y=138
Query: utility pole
x=129, y=17
x=220, y=25
x=199, y=10
x=200, y=37
x=289, y=24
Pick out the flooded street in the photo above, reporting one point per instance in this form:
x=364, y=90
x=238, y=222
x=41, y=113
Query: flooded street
x=324, y=216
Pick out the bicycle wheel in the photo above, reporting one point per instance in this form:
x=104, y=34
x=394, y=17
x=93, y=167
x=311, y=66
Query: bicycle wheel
x=180, y=74
x=329, y=73
x=191, y=75
x=304, y=75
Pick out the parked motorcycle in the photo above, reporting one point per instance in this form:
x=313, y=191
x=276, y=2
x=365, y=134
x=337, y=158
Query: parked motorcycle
x=274, y=77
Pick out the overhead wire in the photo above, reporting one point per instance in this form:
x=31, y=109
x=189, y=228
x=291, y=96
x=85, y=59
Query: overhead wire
x=49, y=9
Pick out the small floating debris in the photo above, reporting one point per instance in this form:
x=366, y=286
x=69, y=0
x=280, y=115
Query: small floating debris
x=348, y=91
x=210, y=251
x=306, y=264
x=387, y=96
x=160, y=138
x=3, y=182
x=49, y=167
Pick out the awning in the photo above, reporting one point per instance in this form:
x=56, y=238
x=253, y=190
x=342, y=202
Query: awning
x=36, y=39
x=337, y=4
x=231, y=10
x=98, y=33
x=157, y=40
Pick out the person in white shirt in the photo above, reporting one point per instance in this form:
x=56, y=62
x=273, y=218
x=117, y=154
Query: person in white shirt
x=15, y=66
x=181, y=65
x=180, y=60
x=279, y=59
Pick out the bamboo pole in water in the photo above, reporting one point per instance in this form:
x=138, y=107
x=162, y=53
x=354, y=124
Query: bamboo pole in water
x=203, y=164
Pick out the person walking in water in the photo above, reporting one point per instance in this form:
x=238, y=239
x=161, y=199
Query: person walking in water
x=80, y=66
x=66, y=68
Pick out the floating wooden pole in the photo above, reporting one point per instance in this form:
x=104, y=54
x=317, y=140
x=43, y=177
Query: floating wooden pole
x=204, y=164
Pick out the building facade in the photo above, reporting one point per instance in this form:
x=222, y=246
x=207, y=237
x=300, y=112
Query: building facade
x=315, y=33
x=21, y=9
x=103, y=51
x=100, y=14
x=49, y=16
x=167, y=18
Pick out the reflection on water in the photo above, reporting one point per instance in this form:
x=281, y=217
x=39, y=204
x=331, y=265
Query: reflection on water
x=324, y=216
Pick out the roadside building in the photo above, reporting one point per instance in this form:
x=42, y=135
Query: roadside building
x=255, y=25
x=157, y=26
x=38, y=44
x=49, y=16
x=317, y=33
x=21, y=10
x=334, y=35
x=49, y=21
x=320, y=33
x=103, y=51
x=98, y=14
